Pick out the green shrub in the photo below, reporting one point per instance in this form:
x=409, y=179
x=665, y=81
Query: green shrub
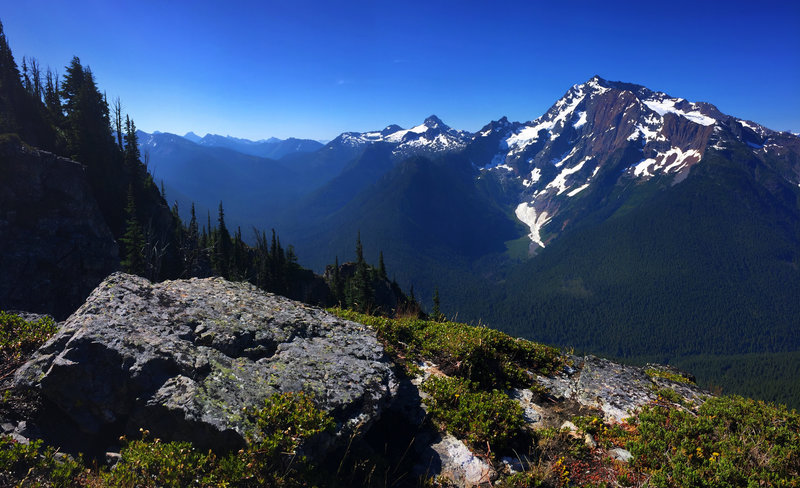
x=479, y=354
x=152, y=463
x=18, y=337
x=34, y=465
x=481, y=418
x=731, y=441
x=283, y=425
x=667, y=375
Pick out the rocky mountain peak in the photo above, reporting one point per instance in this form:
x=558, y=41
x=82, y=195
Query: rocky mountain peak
x=435, y=122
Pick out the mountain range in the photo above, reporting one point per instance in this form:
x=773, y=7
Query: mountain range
x=623, y=221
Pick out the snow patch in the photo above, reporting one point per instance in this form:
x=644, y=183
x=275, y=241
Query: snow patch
x=526, y=213
x=536, y=175
x=581, y=120
x=665, y=162
x=661, y=107
x=578, y=190
x=560, y=181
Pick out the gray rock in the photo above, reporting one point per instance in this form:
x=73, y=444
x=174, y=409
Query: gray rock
x=621, y=454
x=616, y=390
x=56, y=246
x=184, y=358
x=530, y=410
x=460, y=466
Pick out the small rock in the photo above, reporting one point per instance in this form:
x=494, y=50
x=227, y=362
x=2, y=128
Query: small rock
x=112, y=458
x=569, y=425
x=589, y=440
x=621, y=454
x=460, y=465
x=531, y=412
x=19, y=438
x=515, y=464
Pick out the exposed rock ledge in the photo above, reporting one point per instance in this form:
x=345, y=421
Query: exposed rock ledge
x=183, y=358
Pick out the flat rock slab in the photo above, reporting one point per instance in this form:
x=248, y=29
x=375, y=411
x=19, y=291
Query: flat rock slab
x=184, y=358
x=617, y=390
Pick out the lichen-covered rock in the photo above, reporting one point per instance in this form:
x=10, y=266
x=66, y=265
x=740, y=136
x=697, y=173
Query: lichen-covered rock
x=615, y=389
x=183, y=358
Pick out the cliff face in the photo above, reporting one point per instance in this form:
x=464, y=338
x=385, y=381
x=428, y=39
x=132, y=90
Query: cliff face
x=55, y=246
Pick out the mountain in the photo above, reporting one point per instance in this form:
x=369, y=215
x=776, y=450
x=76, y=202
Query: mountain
x=251, y=188
x=272, y=148
x=624, y=222
x=601, y=134
x=429, y=138
x=671, y=231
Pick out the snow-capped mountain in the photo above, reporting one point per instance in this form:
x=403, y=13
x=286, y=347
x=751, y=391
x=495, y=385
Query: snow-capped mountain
x=431, y=137
x=599, y=125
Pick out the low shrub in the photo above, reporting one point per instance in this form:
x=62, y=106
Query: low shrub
x=731, y=441
x=481, y=418
x=482, y=355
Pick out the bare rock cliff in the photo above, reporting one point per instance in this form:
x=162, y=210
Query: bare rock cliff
x=55, y=246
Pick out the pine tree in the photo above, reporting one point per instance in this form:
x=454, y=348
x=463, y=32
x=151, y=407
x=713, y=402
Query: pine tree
x=337, y=287
x=131, y=154
x=361, y=295
x=222, y=247
x=436, y=313
x=381, y=267
x=133, y=240
x=52, y=99
x=191, y=257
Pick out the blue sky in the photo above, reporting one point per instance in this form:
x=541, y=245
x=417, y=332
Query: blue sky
x=315, y=69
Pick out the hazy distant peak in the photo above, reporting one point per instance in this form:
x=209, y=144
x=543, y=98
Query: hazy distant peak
x=192, y=137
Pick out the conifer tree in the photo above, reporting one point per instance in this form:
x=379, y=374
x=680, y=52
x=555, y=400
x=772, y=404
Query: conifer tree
x=191, y=246
x=52, y=99
x=131, y=153
x=381, y=267
x=133, y=240
x=337, y=287
x=361, y=295
x=222, y=246
x=436, y=313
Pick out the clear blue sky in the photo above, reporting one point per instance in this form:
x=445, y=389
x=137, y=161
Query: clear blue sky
x=315, y=69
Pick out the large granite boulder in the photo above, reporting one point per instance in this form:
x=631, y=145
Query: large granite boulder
x=183, y=358
x=55, y=246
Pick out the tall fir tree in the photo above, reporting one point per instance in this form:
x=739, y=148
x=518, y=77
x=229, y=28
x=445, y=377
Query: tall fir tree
x=382, y=267
x=133, y=240
x=361, y=286
x=436, y=314
x=336, y=285
x=222, y=246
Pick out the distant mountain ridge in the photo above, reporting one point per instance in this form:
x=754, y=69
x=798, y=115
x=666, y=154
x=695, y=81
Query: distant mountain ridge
x=272, y=148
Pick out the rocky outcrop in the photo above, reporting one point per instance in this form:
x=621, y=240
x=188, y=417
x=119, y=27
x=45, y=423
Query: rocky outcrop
x=55, y=246
x=616, y=391
x=183, y=358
